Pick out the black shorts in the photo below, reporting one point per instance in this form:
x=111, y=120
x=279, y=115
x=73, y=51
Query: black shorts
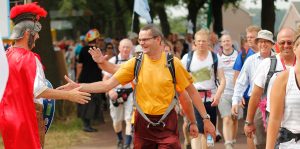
x=212, y=111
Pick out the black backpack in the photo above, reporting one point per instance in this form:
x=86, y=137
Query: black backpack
x=215, y=64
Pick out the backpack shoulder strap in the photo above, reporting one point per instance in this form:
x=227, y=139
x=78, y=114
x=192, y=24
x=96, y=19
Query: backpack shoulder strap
x=117, y=59
x=137, y=65
x=215, y=67
x=170, y=64
x=189, y=60
x=271, y=72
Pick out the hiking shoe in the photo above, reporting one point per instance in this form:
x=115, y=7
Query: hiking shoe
x=188, y=146
x=126, y=146
x=229, y=146
x=89, y=129
x=120, y=144
x=218, y=138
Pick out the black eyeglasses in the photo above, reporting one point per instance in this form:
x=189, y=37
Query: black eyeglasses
x=283, y=42
x=146, y=39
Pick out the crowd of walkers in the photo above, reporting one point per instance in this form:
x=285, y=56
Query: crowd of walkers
x=148, y=81
x=233, y=81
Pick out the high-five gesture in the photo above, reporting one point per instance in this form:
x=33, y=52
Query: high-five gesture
x=97, y=55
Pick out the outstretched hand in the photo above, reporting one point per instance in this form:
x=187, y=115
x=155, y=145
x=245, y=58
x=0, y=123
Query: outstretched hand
x=97, y=55
x=78, y=96
x=69, y=86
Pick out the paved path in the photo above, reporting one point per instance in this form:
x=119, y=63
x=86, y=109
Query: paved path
x=105, y=138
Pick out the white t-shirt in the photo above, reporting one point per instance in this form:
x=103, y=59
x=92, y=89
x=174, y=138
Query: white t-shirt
x=120, y=61
x=40, y=84
x=261, y=73
x=228, y=62
x=291, y=119
x=202, y=72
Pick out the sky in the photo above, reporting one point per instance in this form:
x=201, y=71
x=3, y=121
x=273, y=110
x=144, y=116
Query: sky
x=179, y=10
x=280, y=4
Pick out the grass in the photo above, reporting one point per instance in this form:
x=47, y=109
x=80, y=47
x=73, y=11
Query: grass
x=63, y=134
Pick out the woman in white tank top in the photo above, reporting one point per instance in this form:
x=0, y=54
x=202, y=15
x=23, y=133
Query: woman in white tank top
x=284, y=123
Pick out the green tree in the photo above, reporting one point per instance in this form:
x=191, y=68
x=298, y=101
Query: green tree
x=193, y=7
x=160, y=10
x=268, y=15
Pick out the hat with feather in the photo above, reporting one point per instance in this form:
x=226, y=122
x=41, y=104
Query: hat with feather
x=26, y=17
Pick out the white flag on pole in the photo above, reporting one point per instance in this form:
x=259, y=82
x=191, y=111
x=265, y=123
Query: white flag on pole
x=3, y=69
x=141, y=7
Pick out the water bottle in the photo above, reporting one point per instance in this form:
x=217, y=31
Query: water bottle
x=210, y=141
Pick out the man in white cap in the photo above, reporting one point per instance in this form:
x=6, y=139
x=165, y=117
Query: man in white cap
x=263, y=81
x=265, y=42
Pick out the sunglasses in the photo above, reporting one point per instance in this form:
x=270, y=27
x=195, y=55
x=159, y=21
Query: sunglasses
x=288, y=42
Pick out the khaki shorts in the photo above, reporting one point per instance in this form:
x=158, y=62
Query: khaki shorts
x=260, y=133
x=225, y=106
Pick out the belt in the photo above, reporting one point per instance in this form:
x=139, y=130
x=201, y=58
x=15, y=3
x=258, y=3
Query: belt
x=207, y=93
x=286, y=135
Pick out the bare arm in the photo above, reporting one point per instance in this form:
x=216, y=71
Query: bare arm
x=187, y=107
x=278, y=93
x=256, y=94
x=221, y=87
x=197, y=101
x=100, y=59
x=252, y=107
x=111, y=93
x=109, y=67
x=235, y=76
x=100, y=86
x=73, y=95
x=96, y=87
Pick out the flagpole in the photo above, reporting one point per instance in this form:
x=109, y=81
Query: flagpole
x=132, y=19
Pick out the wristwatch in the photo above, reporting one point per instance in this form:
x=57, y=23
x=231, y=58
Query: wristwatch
x=247, y=123
x=207, y=116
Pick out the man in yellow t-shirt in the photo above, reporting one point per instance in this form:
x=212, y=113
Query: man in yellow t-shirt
x=154, y=93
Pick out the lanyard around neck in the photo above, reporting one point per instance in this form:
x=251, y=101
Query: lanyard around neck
x=283, y=63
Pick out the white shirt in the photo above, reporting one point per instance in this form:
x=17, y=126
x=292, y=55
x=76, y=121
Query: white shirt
x=40, y=84
x=291, y=118
x=246, y=77
x=202, y=72
x=228, y=62
x=260, y=76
